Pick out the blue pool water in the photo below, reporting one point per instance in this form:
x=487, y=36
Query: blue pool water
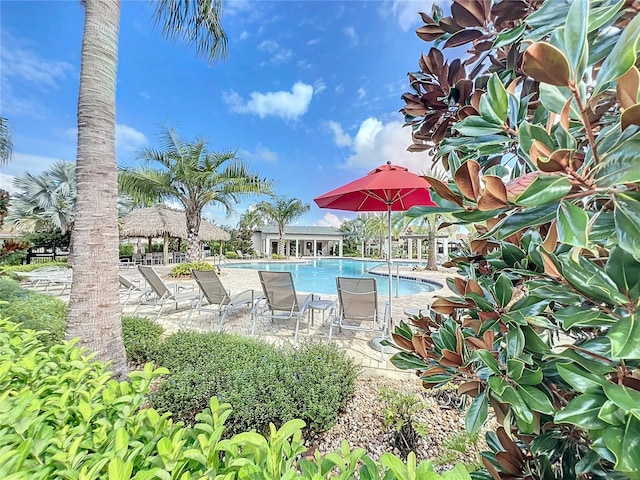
x=319, y=276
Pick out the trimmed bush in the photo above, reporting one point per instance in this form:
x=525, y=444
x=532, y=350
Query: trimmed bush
x=34, y=310
x=125, y=249
x=142, y=338
x=264, y=384
x=61, y=416
x=9, y=269
x=231, y=255
x=185, y=269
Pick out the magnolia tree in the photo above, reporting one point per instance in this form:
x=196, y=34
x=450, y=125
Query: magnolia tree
x=538, y=129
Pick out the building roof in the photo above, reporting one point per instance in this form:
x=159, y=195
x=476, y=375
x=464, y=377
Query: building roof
x=300, y=230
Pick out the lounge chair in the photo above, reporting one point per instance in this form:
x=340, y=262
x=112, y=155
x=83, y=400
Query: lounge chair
x=129, y=288
x=214, y=297
x=240, y=255
x=161, y=293
x=358, y=306
x=280, y=301
x=48, y=278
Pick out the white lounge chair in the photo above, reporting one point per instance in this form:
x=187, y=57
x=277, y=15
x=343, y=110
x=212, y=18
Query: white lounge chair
x=280, y=301
x=358, y=306
x=215, y=298
x=161, y=293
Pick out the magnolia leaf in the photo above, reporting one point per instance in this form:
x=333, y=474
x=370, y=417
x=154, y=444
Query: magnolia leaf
x=575, y=37
x=528, y=132
x=462, y=37
x=627, y=220
x=467, y=179
x=508, y=37
x=580, y=379
x=429, y=33
x=631, y=116
x=624, y=336
x=477, y=413
x=620, y=163
x=477, y=127
x=497, y=95
x=544, y=189
x=407, y=361
x=624, y=397
x=520, y=220
x=583, y=411
x=621, y=58
x=503, y=290
x=444, y=191
x=494, y=195
x=628, y=87
x=572, y=225
x=572, y=317
x=536, y=399
x=546, y=64
x=624, y=442
x=624, y=269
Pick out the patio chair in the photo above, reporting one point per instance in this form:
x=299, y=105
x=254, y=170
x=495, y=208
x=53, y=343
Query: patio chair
x=129, y=288
x=240, y=255
x=214, y=297
x=358, y=306
x=161, y=293
x=280, y=301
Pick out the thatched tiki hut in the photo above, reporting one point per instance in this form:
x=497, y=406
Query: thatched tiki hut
x=165, y=222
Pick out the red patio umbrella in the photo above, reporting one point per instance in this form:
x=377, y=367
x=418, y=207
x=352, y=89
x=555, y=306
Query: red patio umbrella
x=390, y=188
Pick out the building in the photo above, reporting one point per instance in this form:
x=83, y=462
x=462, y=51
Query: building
x=299, y=241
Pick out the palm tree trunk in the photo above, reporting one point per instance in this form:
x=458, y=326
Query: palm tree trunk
x=193, y=238
x=431, y=256
x=281, y=245
x=94, y=306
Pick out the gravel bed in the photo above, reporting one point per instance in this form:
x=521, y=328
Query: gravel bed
x=361, y=424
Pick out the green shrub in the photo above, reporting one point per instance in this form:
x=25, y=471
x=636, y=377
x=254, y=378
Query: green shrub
x=9, y=269
x=184, y=269
x=142, y=338
x=231, y=255
x=34, y=310
x=62, y=416
x=126, y=250
x=262, y=382
x=275, y=256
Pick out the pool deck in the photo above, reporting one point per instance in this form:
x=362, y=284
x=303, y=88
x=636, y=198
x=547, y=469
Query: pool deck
x=355, y=343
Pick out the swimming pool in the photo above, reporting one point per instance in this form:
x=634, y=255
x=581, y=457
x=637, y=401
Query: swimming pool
x=319, y=275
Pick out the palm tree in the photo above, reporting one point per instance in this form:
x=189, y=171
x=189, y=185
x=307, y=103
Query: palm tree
x=251, y=219
x=45, y=202
x=6, y=142
x=282, y=211
x=94, y=309
x=194, y=177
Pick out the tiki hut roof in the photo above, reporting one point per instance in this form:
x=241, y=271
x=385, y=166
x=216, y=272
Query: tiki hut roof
x=155, y=221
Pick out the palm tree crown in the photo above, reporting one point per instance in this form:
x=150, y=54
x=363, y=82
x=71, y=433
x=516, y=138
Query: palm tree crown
x=281, y=212
x=193, y=176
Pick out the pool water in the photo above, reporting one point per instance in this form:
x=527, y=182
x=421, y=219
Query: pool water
x=319, y=275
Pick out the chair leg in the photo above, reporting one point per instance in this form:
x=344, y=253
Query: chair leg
x=223, y=317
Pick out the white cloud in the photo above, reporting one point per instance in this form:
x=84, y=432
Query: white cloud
x=377, y=142
x=330, y=220
x=128, y=139
x=261, y=154
x=145, y=95
x=278, y=54
x=313, y=41
x=340, y=138
x=351, y=34
x=339, y=88
x=406, y=11
x=27, y=66
x=303, y=64
x=235, y=7
x=319, y=86
x=6, y=183
x=286, y=105
x=244, y=35
x=361, y=93
x=22, y=163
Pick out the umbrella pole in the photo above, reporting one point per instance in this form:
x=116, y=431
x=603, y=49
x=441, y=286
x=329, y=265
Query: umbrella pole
x=376, y=342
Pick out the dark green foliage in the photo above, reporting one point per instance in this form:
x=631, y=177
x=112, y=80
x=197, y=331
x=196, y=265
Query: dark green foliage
x=62, y=416
x=49, y=238
x=142, y=338
x=34, y=310
x=125, y=250
x=263, y=383
x=185, y=269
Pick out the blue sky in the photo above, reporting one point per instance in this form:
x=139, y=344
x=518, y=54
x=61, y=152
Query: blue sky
x=308, y=96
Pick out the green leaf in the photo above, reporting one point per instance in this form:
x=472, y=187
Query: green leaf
x=503, y=290
x=624, y=269
x=508, y=37
x=554, y=98
x=526, y=218
x=531, y=377
x=586, y=277
x=580, y=379
x=497, y=95
x=582, y=317
x=575, y=37
x=625, y=338
x=620, y=163
x=477, y=413
x=407, y=361
x=515, y=342
x=572, y=225
x=528, y=132
x=536, y=399
x=611, y=414
x=601, y=15
x=515, y=368
x=488, y=360
x=476, y=126
x=624, y=442
x=622, y=57
x=533, y=341
x=583, y=411
x=544, y=189
x=627, y=220
x=625, y=398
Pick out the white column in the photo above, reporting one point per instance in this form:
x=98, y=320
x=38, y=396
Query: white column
x=297, y=245
x=410, y=248
x=445, y=248
x=419, y=246
x=340, y=244
x=315, y=244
